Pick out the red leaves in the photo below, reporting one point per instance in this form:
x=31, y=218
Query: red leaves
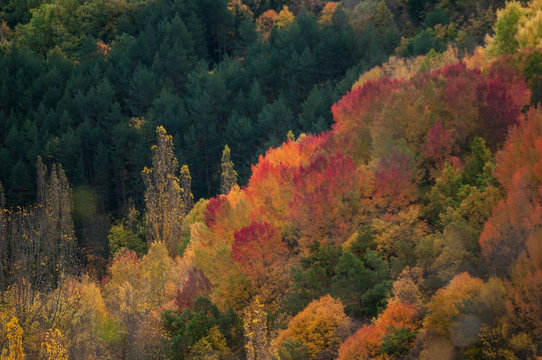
x=257, y=247
x=497, y=110
x=438, y=143
x=359, y=100
x=195, y=284
x=213, y=209
x=327, y=198
x=393, y=180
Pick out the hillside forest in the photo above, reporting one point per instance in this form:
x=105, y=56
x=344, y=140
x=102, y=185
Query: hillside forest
x=270, y=179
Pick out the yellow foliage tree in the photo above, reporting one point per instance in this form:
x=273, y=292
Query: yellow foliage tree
x=445, y=306
x=506, y=29
x=406, y=68
x=255, y=327
x=163, y=194
x=320, y=327
x=285, y=17
x=530, y=26
x=53, y=347
x=15, y=341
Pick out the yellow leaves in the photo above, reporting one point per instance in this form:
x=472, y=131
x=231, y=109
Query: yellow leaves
x=285, y=17
x=394, y=230
x=165, y=210
x=406, y=68
x=255, y=329
x=321, y=327
x=239, y=9
x=407, y=289
x=530, y=26
x=15, y=341
x=516, y=27
x=5, y=32
x=53, y=347
x=445, y=306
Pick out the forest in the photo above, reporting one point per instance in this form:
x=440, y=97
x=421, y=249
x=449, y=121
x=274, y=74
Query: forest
x=270, y=179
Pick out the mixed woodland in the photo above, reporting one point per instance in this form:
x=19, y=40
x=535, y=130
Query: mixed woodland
x=270, y=179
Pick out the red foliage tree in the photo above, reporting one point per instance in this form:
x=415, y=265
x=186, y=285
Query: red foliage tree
x=256, y=248
x=438, y=143
x=328, y=197
x=393, y=181
x=213, y=209
x=195, y=284
x=498, y=109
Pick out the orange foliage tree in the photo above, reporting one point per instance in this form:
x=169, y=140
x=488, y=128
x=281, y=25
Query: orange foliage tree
x=366, y=343
x=519, y=171
x=524, y=305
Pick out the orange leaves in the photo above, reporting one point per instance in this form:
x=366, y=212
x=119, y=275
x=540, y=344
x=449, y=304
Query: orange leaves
x=367, y=341
x=271, y=185
x=362, y=345
x=399, y=316
x=518, y=170
x=266, y=21
x=522, y=149
x=524, y=305
x=327, y=12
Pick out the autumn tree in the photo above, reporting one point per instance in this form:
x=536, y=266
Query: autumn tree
x=53, y=346
x=392, y=333
x=506, y=28
x=3, y=240
x=40, y=237
x=195, y=285
x=516, y=216
x=228, y=175
x=524, y=310
x=256, y=248
x=163, y=194
x=407, y=288
x=327, y=12
x=185, y=182
x=255, y=330
x=321, y=327
x=266, y=22
x=14, y=349
x=447, y=304
x=285, y=17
